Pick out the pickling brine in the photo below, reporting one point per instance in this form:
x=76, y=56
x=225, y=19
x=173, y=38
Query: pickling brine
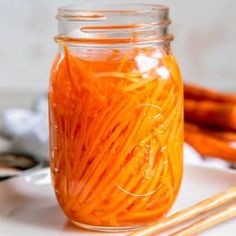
x=116, y=131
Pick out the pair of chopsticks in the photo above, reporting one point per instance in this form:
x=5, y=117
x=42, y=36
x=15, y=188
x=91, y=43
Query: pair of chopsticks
x=226, y=201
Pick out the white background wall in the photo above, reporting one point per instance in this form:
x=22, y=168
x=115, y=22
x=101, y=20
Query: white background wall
x=205, y=44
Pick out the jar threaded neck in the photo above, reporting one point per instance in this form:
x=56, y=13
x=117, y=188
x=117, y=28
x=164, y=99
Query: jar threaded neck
x=113, y=24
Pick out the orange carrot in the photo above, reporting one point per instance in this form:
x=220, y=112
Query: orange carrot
x=224, y=135
x=199, y=93
x=208, y=145
x=214, y=114
x=227, y=136
x=115, y=137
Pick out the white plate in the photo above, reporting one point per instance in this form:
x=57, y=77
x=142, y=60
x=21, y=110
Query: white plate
x=28, y=206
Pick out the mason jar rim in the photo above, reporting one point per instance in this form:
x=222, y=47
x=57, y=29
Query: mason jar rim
x=96, y=11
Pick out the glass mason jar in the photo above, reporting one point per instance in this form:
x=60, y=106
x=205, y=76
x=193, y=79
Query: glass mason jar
x=116, y=116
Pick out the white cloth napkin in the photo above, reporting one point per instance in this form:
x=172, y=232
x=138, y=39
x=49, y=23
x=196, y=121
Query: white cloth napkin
x=27, y=129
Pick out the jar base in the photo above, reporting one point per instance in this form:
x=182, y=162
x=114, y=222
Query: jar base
x=110, y=229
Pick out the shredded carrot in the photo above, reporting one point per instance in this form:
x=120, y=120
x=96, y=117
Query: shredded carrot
x=116, y=136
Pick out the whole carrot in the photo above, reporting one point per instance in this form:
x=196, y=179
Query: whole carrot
x=225, y=135
x=209, y=145
x=198, y=93
x=210, y=113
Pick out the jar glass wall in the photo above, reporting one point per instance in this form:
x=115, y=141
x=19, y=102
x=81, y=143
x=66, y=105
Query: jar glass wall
x=116, y=116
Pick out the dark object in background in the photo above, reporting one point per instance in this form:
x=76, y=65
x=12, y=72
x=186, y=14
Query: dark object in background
x=13, y=164
x=17, y=161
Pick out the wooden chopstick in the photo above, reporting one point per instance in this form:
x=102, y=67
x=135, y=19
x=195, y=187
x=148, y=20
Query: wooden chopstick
x=207, y=222
x=194, y=211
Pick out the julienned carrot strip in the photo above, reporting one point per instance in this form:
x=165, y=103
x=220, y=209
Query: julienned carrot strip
x=172, y=67
x=134, y=197
x=127, y=144
x=73, y=200
x=198, y=93
x=167, y=163
x=118, y=132
x=154, y=186
x=176, y=136
x=162, y=197
x=136, y=126
x=137, y=163
x=124, y=150
x=97, y=160
x=121, y=181
x=156, y=206
x=70, y=71
x=103, y=129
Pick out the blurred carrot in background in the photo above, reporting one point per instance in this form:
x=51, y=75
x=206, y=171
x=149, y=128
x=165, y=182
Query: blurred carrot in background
x=210, y=121
x=208, y=144
x=196, y=92
x=212, y=114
